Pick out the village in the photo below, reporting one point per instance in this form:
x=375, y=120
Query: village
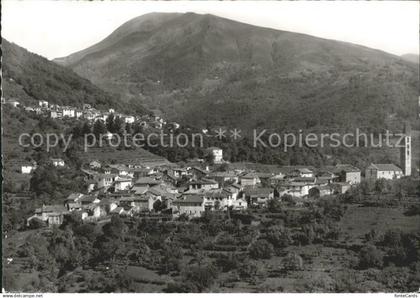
x=87, y=112
x=169, y=191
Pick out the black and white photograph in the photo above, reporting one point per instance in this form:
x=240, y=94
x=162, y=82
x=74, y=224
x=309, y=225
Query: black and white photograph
x=210, y=147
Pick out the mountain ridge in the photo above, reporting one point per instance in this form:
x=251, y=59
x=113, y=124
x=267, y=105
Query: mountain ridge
x=410, y=57
x=205, y=70
x=31, y=77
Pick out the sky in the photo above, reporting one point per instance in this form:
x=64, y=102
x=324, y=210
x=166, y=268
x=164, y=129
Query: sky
x=59, y=28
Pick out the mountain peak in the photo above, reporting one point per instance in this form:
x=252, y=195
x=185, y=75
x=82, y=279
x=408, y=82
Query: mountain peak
x=209, y=70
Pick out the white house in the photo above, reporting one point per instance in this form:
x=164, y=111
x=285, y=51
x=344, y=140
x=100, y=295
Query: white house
x=217, y=154
x=249, y=179
x=305, y=173
x=43, y=103
x=69, y=112
x=240, y=204
x=202, y=184
x=105, y=180
x=27, y=168
x=129, y=119
x=108, y=136
x=13, y=103
x=56, y=114
x=78, y=113
x=57, y=162
x=51, y=214
x=383, y=171
x=122, y=183
x=192, y=206
x=296, y=188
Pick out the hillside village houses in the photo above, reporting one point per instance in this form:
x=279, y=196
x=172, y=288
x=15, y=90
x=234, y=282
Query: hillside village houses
x=89, y=113
x=133, y=189
x=170, y=190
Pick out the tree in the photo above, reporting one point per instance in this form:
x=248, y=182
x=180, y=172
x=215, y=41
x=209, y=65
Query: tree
x=110, y=122
x=228, y=262
x=86, y=129
x=293, y=262
x=261, y=249
x=129, y=129
x=171, y=258
x=62, y=248
x=382, y=186
x=288, y=199
x=118, y=125
x=278, y=236
x=274, y=205
x=314, y=193
x=36, y=223
x=99, y=128
x=201, y=277
x=209, y=157
x=158, y=205
x=370, y=257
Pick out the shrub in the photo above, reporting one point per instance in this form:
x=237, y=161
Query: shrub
x=200, y=277
x=412, y=210
x=228, y=263
x=261, y=249
x=370, y=257
x=36, y=223
x=278, y=236
x=293, y=262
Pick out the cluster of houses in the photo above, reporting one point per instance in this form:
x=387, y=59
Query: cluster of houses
x=135, y=189
x=89, y=113
x=27, y=167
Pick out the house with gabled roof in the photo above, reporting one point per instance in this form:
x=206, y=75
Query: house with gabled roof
x=203, y=183
x=197, y=173
x=122, y=183
x=383, y=171
x=88, y=199
x=51, y=214
x=249, y=179
x=258, y=196
x=105, y=180
x=192, y=206
x=170, y=178
x=346, y=173
x=146, y=181
x=74, y=197
x=224, y=177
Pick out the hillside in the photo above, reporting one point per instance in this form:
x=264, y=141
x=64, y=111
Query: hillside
x=411, y=58
x=30, y=77
x=207, y=71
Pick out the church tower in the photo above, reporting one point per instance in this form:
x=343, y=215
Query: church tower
x=406, y=151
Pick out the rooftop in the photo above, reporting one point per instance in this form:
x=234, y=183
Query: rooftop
x=386, y=167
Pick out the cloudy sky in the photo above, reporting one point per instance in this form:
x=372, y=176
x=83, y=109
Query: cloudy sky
x=58, y=28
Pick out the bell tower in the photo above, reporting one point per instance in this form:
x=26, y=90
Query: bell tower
x=406, y=150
